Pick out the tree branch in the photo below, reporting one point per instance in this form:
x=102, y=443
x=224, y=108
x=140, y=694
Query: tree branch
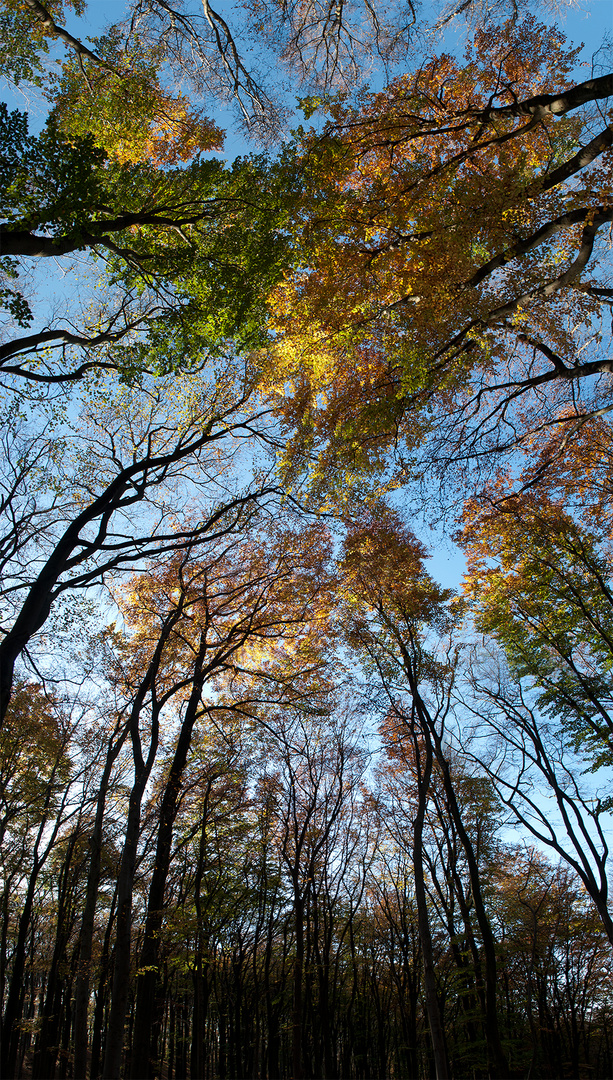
x=543, y=105
x=73, y=43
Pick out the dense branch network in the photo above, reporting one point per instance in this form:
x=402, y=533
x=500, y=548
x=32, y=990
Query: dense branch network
x=435, y=254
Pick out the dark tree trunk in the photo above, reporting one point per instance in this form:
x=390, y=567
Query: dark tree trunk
x=497, y=1059
x=82, y=990
x=102, y=996
x=10, y=1035
x=432, y=1005
x=297, y=1008
x=125, y=879
x=142, y=1065
x=48, y=1043
x=123, y=937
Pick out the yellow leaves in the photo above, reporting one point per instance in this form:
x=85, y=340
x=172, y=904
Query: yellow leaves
x=422, y=202
x=130, y=113
x=175, y=133
x=505, y=541
x=262, y=599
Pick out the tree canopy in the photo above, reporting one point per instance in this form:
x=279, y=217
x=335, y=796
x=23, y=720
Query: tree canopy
x=274, y=801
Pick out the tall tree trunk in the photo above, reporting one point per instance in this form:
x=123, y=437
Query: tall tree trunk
x=125, y=880
x=123, y=937
x=48, y=1041
x=142, y=1066
x=496, y=1056
x=433, y=745
x=10, y=1035
x=102, y=994
x=82, y=990
x=297, y=1010
x=4, y=933
x=201, y=971
x=432, y=1006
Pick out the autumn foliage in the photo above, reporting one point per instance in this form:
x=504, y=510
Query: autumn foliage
x=274, y=802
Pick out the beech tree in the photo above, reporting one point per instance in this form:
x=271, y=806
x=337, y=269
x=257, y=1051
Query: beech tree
x=131, y=451
x=314, y=784
x=383, y=568
x=247, y=598
x=533, y=567
x=451, y=256
x=257, y=791
x=44, y=821
x=188, y=267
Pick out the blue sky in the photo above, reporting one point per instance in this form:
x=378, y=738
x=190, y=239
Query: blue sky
x=590, y=22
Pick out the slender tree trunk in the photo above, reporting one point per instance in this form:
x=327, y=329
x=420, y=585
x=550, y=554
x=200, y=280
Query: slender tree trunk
x=297, y=1009
x=201, y=971
x=14, y=1002
x=82, y=990
x=433, y=745
x=123, y=938
x=48, y=1041
x=10, y=1036
x=272, y=1011
x=497, y=1058
x=125, y=880
x=102, y=995
x=4, y=934
x=432, y=1006
x=200, y=1010
x=142, y=1066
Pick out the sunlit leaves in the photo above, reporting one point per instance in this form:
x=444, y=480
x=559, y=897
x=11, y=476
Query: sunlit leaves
x=127, y=109
x=24, y=40
x=422, y=267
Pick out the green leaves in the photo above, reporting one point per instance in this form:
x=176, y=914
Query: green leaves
x=199, y=247
x=20, y=47
x=47, y=180
x=544, y=591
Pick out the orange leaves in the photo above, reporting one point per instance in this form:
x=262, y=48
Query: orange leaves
x=260, y=600
x=382, y=571
x=381, y=554
x=495, y=533
x=429, y=241
x=567, y=473
x=517, y=62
